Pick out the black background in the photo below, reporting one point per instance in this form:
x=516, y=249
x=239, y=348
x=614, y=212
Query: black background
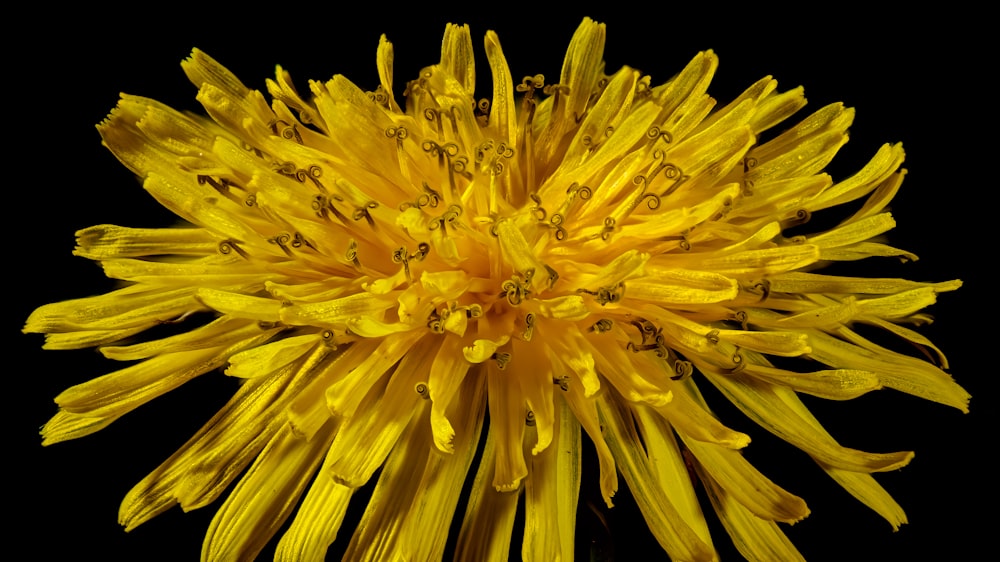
x=906, y=80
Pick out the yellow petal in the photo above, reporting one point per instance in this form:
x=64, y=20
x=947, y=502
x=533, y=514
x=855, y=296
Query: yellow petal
x=489, y=515
x=551, y=491
x=671, y=531
x=247, y=519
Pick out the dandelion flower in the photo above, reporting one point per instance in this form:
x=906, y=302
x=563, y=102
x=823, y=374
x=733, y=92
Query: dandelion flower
x=568, y=260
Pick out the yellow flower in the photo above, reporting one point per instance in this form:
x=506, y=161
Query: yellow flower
x=567, y=258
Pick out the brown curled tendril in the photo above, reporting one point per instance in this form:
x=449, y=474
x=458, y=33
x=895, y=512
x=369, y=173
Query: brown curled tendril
x=515, y=289
x=322, y=203
x=221, y=185
x=562, y=381
x=749, y=163
x=379, y=96
x=609, y=228
x=352, y=253
x=682, y=369
x=607, y=295
x=502, y=359
x=556, y=222
x=712, y=336
x=398, y=133
x=282, y=240
x=482, y=111
x=529, y=419
x=228, y=246
x=422, y=390
x=449, y=217
x=423, y=249
x=400, y=255
x=364, y=212
x=739, y=362
x=655, y=133
x=601, y=326
x=762, y=288
x=539, y=211
x=286, y=130
x=531, y=83
x=802, y=216
x=328, y=338
x=742, y=317
x=435, y=322
x=298, y=241
x=529, y=327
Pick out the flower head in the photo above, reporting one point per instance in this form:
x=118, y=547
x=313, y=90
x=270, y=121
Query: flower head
x=562, y=258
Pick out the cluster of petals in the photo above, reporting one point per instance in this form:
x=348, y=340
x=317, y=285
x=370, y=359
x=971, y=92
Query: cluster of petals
x=459, y=288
